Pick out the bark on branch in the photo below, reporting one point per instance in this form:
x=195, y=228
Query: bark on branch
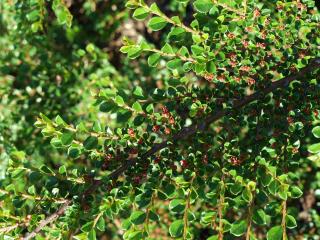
x=48, y=220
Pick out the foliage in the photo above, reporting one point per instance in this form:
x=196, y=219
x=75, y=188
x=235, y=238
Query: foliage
x=206, y=127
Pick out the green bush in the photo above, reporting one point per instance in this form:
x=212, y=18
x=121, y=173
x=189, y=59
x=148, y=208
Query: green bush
x=203, y=123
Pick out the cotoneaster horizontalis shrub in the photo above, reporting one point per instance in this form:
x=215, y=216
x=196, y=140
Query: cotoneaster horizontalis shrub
x=210, y=146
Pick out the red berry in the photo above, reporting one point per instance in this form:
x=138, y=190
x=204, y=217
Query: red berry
x=164, y=110
x=155, y=128
x=231, y=35
x=221, y=78
x=290, y=120
x=108, y=157
x=261, y=45
x=235, y=161
x=256, y=13
x=173, y=167
x=104, y=166
x=245, y=68
x=251, y=81
x=184, y=163
x=137, y=179
x=205, y=159
x=157, y=160
x=167, y=130
x=209, y=76
x=86, y=207
x=245, y=43
x=133, y=151
x=131, y=132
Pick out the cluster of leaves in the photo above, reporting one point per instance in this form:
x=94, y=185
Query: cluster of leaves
x=190, y=139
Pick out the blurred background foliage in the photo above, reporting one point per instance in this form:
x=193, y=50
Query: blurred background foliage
x=46, y=65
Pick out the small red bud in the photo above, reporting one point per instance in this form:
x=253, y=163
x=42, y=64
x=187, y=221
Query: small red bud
x=171, y=120
x=167, y=130
x=295, y=150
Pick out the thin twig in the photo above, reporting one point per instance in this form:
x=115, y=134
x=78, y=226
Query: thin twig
x=249, y=218
x=283, y=222
x=36, y=198
x=220, y=211
x=53, y=217
x=10, y=228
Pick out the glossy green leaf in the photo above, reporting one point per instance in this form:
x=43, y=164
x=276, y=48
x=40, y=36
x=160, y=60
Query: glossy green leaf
x=316, y=131
x=92, y=235
x=259, y=217
x=101, y=224
x=295, y=192
x=66, y=138
x=177, y=205
x=90, y=143
x=291, y=222
x=137, y=107
x=119, y=100
x=314, y=148
x=154, y=59
x=174, y=64
x=137, y=217
x=157, y=23
x=275, y=233
x=176, y=228
x=74, y=152
x=203, y=6
x=238, y=228
x=140, y=13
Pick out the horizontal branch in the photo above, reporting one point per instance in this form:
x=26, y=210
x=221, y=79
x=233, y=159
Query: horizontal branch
x=201, y=126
